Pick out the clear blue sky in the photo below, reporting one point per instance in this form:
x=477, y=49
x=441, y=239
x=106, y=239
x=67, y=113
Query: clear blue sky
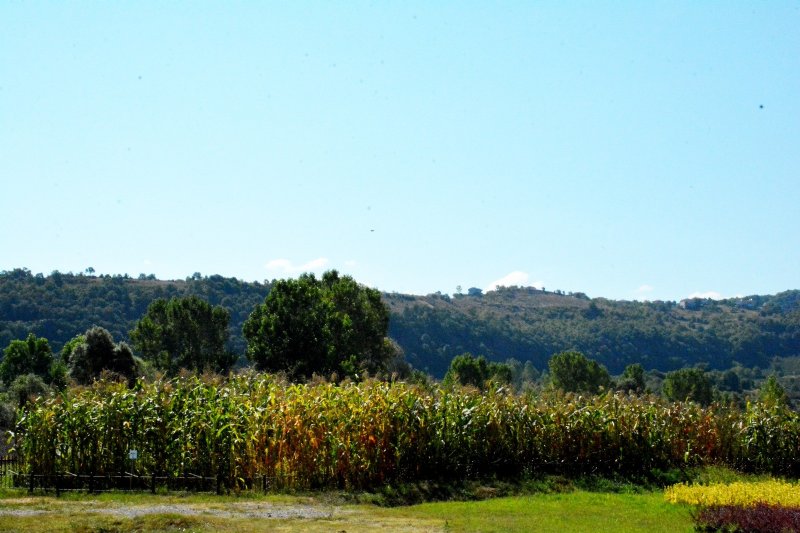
x=631, y=150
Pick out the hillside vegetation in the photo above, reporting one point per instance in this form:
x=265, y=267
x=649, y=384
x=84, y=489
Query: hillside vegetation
x=60, y=306
x=526, y=324
x=530, y=324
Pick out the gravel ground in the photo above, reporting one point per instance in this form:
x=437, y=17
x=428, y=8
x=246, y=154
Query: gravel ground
x=232, y=510
x=21, y=512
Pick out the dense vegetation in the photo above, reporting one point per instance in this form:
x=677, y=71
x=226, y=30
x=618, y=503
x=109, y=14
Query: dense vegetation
x=60, y=306
x=521, y=323
x=326, y=326
x=184, y=333
x=368, y=434
x=531, y=325
x=489, y=418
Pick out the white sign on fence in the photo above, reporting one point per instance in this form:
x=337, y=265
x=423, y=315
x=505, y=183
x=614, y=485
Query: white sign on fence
x=133, y=455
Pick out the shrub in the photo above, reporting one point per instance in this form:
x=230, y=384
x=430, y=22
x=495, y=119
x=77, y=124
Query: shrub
x=761, y=518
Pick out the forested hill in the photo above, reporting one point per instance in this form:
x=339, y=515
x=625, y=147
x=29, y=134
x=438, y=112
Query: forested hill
x=60, y=306
x=523, y=323
x=530, y=324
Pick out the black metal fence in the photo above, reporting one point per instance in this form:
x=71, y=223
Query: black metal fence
x=68, y=481
x=13, y=474
x=11, y=469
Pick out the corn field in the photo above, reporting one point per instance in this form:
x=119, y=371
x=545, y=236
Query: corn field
x=363, y=435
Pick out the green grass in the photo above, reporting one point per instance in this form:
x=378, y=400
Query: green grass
x=576, y=511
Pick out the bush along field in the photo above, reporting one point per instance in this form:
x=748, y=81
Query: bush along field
x=256, y=431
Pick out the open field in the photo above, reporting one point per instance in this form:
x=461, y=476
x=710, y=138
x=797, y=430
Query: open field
x=575, y=511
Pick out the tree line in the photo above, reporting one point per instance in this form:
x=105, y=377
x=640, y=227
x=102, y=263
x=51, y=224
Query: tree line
x=331, y=326
x=522, y=323
x=572, y=372
x=525, y=325
x=529, y=324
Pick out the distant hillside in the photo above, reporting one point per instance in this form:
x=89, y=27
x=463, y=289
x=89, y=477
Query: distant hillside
x=60, y=306
x=523, y=323
x=529, y=324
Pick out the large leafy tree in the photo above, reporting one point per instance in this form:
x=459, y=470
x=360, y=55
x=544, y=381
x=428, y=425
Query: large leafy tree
x=184, y=333
x=327, y=325
x=466, y=369
x=688, y=384
x=632, y=379
x=69, y=347
x=572, y=371
x=98, y=353
x=31, y=356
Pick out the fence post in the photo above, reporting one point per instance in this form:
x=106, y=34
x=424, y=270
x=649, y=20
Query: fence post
x=153, y=484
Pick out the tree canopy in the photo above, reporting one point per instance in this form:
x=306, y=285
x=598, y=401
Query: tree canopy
x=466, y=369
x=572, y=371
x=98, y=353
x=322, y=326
x=59, y=305
x=632, y=379
x=185, y=333
x=522, y=323
x=31, y=356
x=688, y=384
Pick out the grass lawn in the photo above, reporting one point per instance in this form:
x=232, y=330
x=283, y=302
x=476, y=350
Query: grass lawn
x=573, y=511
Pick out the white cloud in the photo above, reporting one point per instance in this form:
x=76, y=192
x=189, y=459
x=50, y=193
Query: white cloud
x=713, y=295
x=513, y=278
x=350, y=263
x=643, y=292
x=314, y=264
x=279, y=264
x=285, y=266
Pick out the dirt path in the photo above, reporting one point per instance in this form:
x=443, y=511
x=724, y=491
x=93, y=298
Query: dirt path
x=262, y=510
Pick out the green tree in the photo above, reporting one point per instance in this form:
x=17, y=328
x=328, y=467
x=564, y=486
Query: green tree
x=25, y=388
x=184, y=333
x=688, y=384
x=529, y=376
x=572, y=371
x=31, y=356
x=69, y=347
x=466, y=369
x=98, y=353
x=730, y=381
x=500, y=373
x=772, y=393
x=327, y=325
x=632, y=379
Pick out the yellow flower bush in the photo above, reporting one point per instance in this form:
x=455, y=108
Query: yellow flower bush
x=742, y=494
